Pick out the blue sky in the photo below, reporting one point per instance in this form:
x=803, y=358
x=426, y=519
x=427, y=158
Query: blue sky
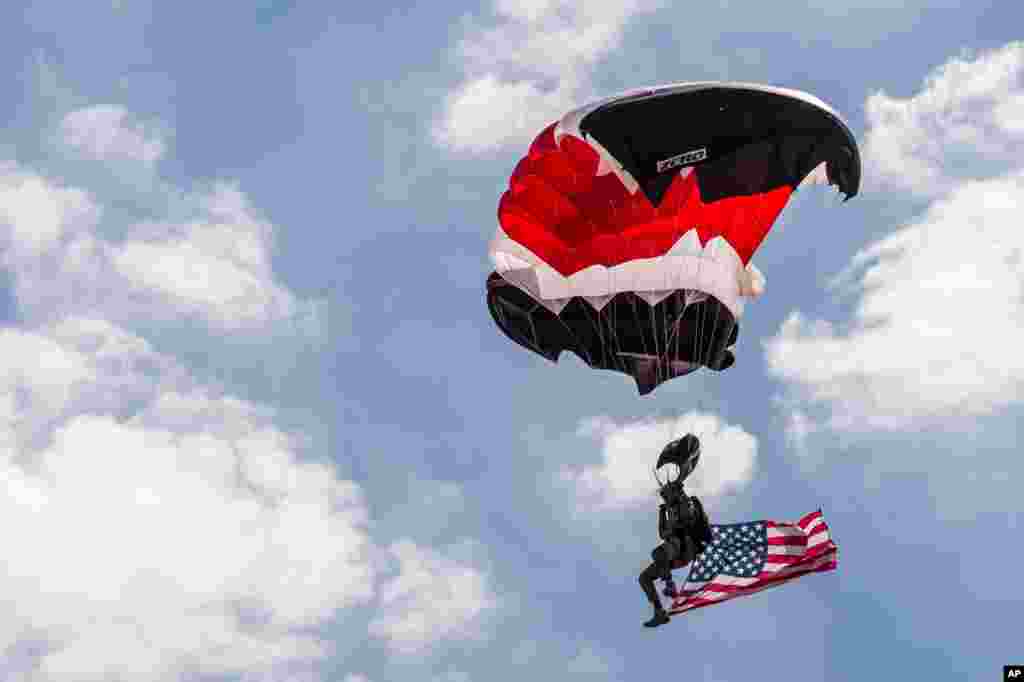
x=257, y=423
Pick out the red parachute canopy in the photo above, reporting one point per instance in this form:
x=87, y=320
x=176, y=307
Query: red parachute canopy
x=627, y=230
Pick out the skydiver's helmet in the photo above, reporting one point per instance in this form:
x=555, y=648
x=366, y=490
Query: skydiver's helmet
x=679, y=458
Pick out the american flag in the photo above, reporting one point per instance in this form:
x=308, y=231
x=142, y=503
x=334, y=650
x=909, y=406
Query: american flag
x=744, y=558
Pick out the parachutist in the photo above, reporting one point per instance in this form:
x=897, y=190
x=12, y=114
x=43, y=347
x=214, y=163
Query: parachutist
x=682, y=524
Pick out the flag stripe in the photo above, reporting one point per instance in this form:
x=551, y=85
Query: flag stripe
x=727, y=592
x=748, y=558
x=720, y=590
x=789, y=554
x=727, y=582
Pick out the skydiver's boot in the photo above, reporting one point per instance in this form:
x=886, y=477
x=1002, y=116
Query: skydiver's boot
x=659, y=617
x=647, y=584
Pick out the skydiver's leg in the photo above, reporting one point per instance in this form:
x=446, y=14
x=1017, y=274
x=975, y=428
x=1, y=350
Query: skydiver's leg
x=660, y=568
x=687, y=550
x=647, y=578
x=674, y=551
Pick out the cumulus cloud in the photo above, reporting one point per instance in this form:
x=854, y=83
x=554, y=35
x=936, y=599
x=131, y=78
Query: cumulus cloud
x=623, y=479
x=213, y=266
x=533, y=60
x=108, y=133
x=527, y=68
x=937, y=328
x=967, y=122
x=74, y=367
x=154, y=526
x=37, y=216
x=939, y=323
x=157, y=527
x=434, y=597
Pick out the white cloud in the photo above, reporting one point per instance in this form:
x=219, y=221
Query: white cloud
x=71, y=368
x=214, y=267
x=528, y=68
x=535, y=59
x=161, y=528
x=154, y=527
x=937, y=330
x=107, y=133
x=939, y=325
x=624, y=480
x=36, y=215
x=217, y=265
x=967, y=122
x=434, y=597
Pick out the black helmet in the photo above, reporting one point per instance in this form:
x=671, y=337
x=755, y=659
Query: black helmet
x=684, y=453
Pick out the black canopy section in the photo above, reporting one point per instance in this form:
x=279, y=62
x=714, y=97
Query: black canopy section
x=741, y=140
x=650, y=343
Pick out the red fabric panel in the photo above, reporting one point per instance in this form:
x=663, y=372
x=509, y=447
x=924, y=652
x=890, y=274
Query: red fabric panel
x=559, y=209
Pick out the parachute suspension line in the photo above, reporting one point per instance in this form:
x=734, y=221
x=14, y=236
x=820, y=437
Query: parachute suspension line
x=613, y=333
x=599, y=330
x=672, y=325
x=594, y=319
x=598, y=326
x=671, y=318
x=528, y=314
x=680, y=321
x=668, y=311
x=533, y=327
x=610, y=327
x=714, y=330
x=572, y=334
x=636, y=317
x=701, y=308
x=662, y=371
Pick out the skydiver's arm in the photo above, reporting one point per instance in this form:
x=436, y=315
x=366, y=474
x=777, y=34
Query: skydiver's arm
x=702, y=524
x=664, y=530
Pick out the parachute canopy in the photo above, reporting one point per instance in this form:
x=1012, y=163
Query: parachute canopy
x=627, y=231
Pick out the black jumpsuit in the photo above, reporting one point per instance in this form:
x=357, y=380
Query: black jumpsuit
x=684, y=530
